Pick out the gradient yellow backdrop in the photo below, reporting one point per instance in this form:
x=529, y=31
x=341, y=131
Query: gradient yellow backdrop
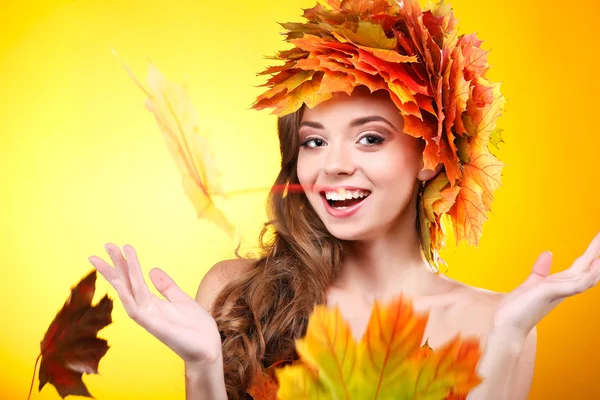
x=82, y=163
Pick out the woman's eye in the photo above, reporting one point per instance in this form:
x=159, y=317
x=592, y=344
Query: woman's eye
x=313, y=143
x=371, y=140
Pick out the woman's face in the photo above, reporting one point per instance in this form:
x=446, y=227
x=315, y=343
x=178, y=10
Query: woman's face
x=356, y=165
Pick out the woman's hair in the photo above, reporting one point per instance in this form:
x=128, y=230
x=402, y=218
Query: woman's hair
x=262, y=313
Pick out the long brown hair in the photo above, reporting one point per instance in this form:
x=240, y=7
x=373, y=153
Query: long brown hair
x=260, y=314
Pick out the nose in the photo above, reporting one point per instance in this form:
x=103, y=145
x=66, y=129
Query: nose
x=339, y=161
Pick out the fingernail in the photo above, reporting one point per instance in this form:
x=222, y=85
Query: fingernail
x=106, y=246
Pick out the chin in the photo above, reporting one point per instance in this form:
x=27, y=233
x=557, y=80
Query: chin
x=350, y=232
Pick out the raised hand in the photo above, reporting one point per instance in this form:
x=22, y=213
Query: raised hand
x=521, y=309
x=179, y=321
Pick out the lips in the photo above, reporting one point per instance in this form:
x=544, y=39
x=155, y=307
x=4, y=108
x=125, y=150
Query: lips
x=339, y=205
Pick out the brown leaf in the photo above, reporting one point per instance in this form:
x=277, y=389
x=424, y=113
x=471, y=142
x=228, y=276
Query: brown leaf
x=70, y=347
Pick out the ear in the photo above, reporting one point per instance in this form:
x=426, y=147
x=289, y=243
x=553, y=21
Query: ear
x=427, y=174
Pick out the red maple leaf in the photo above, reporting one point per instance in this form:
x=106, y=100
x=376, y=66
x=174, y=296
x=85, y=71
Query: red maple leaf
x=70, y=347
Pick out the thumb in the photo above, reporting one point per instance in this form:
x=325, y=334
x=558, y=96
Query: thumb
x=542, y=266
x=166, y=286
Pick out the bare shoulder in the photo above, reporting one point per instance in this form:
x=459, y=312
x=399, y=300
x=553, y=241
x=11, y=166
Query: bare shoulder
x=477, y=307
x=217, y=277
x=470, y=300
x=472, y=309
x=478, y=299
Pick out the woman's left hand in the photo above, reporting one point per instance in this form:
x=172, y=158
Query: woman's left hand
x=520, y=310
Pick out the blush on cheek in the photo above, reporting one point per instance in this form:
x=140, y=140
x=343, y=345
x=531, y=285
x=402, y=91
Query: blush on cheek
x=306, y=169
x=392, y=169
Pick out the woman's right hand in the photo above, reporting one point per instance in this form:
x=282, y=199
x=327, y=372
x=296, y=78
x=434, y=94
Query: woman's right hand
x=179, y=321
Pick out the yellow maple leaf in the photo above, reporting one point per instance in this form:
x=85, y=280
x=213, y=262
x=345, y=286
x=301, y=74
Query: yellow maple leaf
x=178, y=121
x=369, y=35
x=436, y=199
x=388, y=362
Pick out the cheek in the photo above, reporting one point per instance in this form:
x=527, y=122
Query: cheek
x=305, y=169
x=391, y=168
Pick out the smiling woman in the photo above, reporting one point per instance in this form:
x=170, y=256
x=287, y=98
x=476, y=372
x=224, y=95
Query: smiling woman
x=69, y=103
x=385, y=120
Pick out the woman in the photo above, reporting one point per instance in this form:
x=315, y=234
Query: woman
x=356, y=231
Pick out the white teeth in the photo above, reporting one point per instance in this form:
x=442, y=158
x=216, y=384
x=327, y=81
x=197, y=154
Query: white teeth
x=345, y=194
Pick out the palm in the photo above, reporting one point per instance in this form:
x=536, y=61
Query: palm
x=179, y=321
x=525, y=306
x=193, y=326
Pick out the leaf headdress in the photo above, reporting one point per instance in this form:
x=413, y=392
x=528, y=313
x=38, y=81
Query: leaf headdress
x=434, y=76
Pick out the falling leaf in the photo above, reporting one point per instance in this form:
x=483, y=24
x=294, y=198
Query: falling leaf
x=178, y=121
x=388, y=362
x=70, y=347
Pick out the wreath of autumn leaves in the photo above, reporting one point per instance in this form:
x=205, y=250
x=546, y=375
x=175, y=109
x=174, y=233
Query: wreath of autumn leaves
x=435, y=77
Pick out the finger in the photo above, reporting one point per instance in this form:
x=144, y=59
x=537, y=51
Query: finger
x=120, y=264
x=107, y=271
x=589, y=256
x=111, y=276
x=541, y=267
x=593, y=250
x=543, y=264
x=588, y=280
x=141, y=292
x=596, y=268
x=167, y=287
x=570, y=287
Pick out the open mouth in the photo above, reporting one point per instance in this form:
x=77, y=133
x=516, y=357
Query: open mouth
x=345, y=198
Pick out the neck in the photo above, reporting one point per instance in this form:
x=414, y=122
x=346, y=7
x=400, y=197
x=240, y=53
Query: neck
x=387, y=264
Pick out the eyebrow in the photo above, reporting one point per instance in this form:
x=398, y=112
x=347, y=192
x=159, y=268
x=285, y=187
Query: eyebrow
x=354, y=123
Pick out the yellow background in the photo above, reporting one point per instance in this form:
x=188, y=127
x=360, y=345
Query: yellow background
x=83, y=163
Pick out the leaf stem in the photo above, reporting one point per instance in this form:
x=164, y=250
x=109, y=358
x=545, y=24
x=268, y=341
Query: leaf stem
x=33, y=377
